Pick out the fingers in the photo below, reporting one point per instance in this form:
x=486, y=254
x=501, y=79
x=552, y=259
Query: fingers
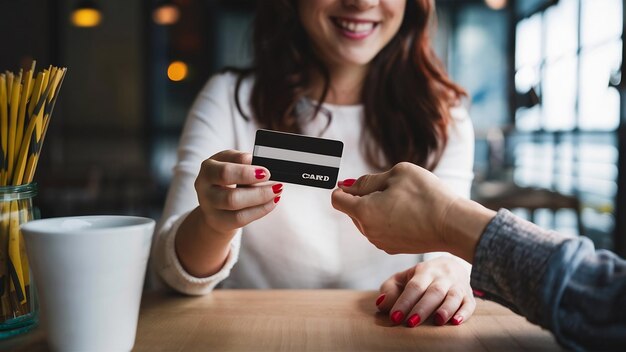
x=241, y=218
x=225, y=198
x=345, y=202
x=391, y=289
x=231, y=167
x=233, y=156
x=416, y=303
x=450, y=305
x=365, y=184
x=467, y=309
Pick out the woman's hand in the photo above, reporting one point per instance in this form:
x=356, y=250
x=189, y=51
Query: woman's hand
x=203, y=239
x=440, y=286
x=227, y=206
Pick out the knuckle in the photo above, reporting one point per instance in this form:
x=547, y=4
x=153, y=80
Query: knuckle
x=240, y=219
x=414, y=285
x=438, y=290
x=401, y=167
x=421, y=268
x=240, y=157
x=218, y=154
x=224, y=172
x=205, y=164
x=230, y=200
x=363, y=181
x=456, y=292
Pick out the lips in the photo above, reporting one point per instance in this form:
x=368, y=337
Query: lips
x=354, y=28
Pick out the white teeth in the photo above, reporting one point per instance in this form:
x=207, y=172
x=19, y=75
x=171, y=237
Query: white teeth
x=356, y=27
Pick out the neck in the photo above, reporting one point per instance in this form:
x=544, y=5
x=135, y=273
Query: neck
x=345, y=87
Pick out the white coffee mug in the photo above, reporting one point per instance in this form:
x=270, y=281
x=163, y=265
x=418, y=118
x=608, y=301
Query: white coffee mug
x=89, y=273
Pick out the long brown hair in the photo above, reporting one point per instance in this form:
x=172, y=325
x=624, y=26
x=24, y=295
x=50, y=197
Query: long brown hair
x=406, y=94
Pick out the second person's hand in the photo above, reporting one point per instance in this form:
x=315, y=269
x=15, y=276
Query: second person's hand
x=399, y=211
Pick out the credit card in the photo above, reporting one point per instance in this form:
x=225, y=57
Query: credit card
x=298, y=159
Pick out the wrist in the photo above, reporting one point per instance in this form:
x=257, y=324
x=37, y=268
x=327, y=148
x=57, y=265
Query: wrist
x=463, y=225
x=201, y=251
x=206, y=231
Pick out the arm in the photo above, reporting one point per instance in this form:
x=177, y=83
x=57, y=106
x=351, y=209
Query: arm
x=558, y=282
x=197, y=240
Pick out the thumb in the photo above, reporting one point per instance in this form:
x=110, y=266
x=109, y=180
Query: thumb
x=365, y=184
x=345, y=202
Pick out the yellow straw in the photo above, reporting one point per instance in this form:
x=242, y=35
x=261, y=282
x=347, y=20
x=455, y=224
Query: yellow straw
x=15, y=93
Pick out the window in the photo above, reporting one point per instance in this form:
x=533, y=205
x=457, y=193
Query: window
x=569, y=54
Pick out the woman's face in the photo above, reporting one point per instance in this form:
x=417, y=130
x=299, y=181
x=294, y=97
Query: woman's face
x=350, y=32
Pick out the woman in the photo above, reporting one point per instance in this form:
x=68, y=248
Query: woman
x=556, y=281
x=362, y=72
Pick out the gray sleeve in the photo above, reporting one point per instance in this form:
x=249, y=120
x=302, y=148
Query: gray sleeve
x=558, y=282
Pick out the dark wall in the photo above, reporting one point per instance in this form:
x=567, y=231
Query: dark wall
x=94, y=158
x=26, y=28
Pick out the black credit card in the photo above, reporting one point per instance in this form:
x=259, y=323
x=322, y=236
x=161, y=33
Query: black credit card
x=298, y=159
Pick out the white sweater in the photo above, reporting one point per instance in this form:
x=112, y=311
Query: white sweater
x=304, y=242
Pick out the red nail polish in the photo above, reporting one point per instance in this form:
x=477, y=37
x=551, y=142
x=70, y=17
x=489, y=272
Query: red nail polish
x=457, y=320
x=277, y=188
x=439, y=320
x=259, y=174
x=397, y=317
x=276, y=199
x=348, y=182
x=413, y=320
x=380, y=299
x=478, y=293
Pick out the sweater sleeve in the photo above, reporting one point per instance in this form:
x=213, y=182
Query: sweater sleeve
x=208, y=129
x=561, y=283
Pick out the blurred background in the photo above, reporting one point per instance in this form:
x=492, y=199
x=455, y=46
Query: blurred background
x=544, y=76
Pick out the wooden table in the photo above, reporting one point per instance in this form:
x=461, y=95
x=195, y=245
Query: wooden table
x=308, y=320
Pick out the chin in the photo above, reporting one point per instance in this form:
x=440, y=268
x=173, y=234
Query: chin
x=357, y=59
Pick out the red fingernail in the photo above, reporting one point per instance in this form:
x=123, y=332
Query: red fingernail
x=397, y=316
x=277, y=188
x=478, y=293
x=413, y=320
x=259, y=174
x=439, y=320
x=347, y=182
x=457, y=320
x=276, y=199
x=380, y=299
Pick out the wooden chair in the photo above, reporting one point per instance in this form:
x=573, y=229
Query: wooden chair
x=510, y=196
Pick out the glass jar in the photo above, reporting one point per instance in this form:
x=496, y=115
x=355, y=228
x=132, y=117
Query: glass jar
x=19, y=310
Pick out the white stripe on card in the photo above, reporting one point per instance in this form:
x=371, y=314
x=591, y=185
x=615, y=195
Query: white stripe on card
x=295, y=156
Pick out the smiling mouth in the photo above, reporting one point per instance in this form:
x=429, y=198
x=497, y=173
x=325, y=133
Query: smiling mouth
x=358, y=28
